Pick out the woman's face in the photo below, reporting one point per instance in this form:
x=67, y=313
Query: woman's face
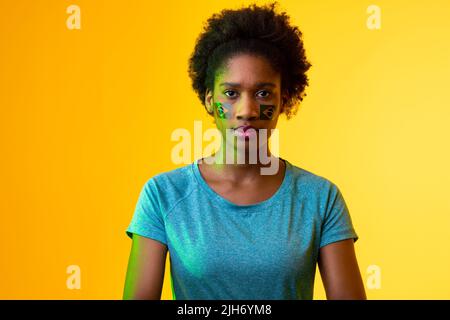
x=247, y=92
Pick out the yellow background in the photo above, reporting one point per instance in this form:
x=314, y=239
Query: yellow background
x=86, y=118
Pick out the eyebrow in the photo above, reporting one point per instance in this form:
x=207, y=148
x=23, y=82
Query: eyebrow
x=259, y=84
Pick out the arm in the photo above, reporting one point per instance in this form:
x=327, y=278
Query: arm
x=340, y=272
x=146, y=265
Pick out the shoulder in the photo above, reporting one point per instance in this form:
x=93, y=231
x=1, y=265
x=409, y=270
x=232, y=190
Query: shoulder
x=313, y=186
x=312, y=181
x=169, y=187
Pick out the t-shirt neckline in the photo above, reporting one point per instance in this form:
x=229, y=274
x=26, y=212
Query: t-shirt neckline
x=273, y=200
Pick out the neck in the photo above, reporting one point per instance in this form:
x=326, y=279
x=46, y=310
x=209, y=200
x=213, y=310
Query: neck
x=244, y=170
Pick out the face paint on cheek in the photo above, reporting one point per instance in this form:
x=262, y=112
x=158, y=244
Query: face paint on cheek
x=266, y=111
x=223, y=110
x=219, y=110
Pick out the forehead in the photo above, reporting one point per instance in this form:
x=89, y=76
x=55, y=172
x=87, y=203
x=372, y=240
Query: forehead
x=248, y=70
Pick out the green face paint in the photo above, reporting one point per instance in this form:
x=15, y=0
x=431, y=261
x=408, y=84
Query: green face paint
x=266, y=111
x=223, y=110
x=219, y=110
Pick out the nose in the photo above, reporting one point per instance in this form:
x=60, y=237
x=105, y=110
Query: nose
x=247, y=109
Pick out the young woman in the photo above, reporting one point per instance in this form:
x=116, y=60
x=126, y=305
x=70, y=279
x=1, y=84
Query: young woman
x=231, y=231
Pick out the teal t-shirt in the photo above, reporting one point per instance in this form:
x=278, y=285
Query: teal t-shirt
x=220, y=250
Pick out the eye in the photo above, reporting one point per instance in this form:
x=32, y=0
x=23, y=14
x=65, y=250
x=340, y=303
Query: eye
x=230, y=96
x=265, y=93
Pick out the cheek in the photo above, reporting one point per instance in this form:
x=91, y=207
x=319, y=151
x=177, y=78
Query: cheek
x=223, y=110
x=221, y=123
x=266, y=111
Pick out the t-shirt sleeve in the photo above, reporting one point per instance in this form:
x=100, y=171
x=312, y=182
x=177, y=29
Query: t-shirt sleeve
x=147, y=220
x=337, y=223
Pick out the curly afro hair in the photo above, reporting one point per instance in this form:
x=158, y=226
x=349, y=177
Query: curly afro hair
x=258, y=30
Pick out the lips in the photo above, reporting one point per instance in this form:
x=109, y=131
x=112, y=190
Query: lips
x=245, y=128
x=243, y=132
